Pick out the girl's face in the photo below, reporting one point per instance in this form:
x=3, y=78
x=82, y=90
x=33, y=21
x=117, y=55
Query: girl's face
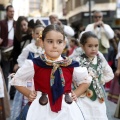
x=36, y=32
x=91, y=47
x=36, y=36
x=24, y=26
x=54, y=44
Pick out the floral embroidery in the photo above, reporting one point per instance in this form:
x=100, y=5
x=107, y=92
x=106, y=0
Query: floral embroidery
x=94, y=72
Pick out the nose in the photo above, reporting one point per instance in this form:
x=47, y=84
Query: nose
x=54, y=45
x=93, y=48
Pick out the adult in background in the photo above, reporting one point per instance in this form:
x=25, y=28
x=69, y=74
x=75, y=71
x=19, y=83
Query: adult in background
x=67, y=29
x=22, y=38
x=7, y=27
x=103, y=32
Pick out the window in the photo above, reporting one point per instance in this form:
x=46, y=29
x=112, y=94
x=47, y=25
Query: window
x=97, y=1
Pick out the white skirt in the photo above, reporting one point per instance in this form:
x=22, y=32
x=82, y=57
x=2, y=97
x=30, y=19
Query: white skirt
x=39, y=112
x=92, y=110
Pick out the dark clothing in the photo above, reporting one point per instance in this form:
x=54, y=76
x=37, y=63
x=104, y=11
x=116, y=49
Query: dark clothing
x=5, y=64
x=4, y=32
x=17, y=49
x=18, y=46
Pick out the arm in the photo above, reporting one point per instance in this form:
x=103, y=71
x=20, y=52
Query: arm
x=82, y=79
x=117, y=73
x=31, y=95
x=68, y=30
x=81, y=89
x=90, y=27
x=107, y=74
x=24, y=74
x=109, y=32
x=23, y=56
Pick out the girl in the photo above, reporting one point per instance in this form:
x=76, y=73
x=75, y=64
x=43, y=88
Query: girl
x=92, y=103
x=29, y=52
x=52, y=75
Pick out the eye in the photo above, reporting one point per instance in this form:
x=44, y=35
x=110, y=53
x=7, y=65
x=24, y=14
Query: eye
x=89, y=45
x=50, y=41
x=96, y=45
x=60, y=41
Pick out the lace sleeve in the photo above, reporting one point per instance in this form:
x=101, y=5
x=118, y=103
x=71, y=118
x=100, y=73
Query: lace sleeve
x=80, y=75
x=24, y=74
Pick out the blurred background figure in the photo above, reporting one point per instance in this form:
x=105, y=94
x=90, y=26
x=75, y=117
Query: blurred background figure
x=67, y=29
x=103, y=31
x=73, y=44
x=22, y=38
x=7, y=27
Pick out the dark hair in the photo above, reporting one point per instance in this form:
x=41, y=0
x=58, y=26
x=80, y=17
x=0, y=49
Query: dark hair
x=9, y=6
x=38, y=22
x=85, y=36
x=75, y=41
x=37, y=26
x=18, y=32
x=54, y=27
x=97, y=11
x=31, y=23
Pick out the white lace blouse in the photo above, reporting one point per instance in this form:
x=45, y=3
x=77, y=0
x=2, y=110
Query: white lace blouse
x=26, y=72
x=29, y=48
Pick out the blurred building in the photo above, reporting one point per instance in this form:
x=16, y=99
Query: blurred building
x=78, y=11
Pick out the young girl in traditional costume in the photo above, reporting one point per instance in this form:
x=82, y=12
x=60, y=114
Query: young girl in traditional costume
x=92, y=102
x=31, y=51
x=52, y=75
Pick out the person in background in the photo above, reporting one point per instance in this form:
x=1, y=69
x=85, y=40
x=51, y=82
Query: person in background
x=117, y=83
x=114, y=91
x=72, y=46
x=7, y=29
x=103, y=31
x=22, y=38
x=67, y=29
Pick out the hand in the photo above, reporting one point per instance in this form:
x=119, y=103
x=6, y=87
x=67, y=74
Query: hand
x=99, y=23
x=60, y=23
x=117, y=72
x=32, y=95
x=73, y=95
x=15, y=67
x=1, y=40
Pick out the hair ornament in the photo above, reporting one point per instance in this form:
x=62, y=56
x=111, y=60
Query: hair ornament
x=40, y=36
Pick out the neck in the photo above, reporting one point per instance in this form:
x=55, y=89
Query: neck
x=91, y=58
x=10, y=18
x=50, y=58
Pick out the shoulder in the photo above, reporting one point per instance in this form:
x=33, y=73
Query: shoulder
x=106, y=25
x=90, y=25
